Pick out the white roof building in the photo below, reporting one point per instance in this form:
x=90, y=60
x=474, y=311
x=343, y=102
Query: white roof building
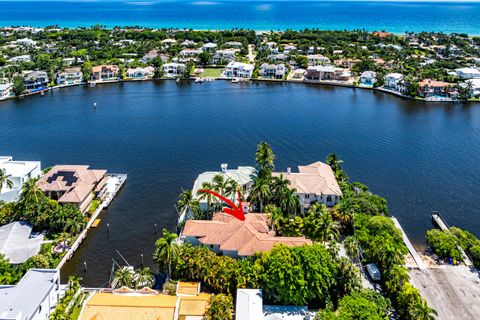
x=249, y=306
x=242, y=175
x=19, y=172
x=16, y=244
x=468, y=73
x=238, y=70
x=34, y=297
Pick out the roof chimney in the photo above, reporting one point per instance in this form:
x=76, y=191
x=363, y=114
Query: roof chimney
x=289, y=170
x=224, y=167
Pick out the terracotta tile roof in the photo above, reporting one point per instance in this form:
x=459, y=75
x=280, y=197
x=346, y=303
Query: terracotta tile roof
x=317, y=178
x=96, y=69
x=434, y=83
x=75, y=181
x=107, y=306
x=245, y=237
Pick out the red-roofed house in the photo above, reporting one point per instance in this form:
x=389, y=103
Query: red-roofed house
x=75, y=184
x=227, y=235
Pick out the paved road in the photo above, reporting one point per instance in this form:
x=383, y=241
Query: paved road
x=454, y=292
x=251, y=53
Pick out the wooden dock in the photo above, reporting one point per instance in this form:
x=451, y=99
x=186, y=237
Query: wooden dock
x=106, y=201
x=421, y=265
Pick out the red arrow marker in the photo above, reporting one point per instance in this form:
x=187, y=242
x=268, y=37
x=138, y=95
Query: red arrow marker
x=235, y=211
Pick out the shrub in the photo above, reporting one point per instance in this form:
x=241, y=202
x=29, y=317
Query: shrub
x=444, y=244
x=221, y=308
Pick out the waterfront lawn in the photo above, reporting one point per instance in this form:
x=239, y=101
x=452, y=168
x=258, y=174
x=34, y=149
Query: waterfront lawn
x=212, y=72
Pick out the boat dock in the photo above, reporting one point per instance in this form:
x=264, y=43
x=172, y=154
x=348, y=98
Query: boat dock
x=421, y=265
x=442, y=224
x=114, y=184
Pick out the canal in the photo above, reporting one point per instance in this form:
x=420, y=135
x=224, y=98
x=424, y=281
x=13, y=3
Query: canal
x=421, y=157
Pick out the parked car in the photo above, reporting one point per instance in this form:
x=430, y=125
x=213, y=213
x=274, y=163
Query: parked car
x=373, y=271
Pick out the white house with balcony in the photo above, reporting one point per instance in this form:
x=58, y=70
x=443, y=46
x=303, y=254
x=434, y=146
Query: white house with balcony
x=313, y=183
x=368, y=78
x=173, y=69
x=394, y=81
x=5, y=90
x=69, y=76
x=36, y=80
x=34, y=297
x=140, y=73
x=238, y=70
x=19, y=172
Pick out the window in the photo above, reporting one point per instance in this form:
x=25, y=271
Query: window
x=329, y=198
x=307, y=196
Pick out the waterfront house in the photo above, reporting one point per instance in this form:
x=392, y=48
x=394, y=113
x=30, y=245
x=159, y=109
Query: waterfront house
x=35, y=80
x=209, y=46
x=105, y=73
x=287, y=49
x=227, y=235
x=74, y=184
x=5, y=90
x=140, y=73
x=19, y=172
x=69, y=76
x=22, y=58
x=33, y=298
x=433, y=88
x=238, y=70
x=249, y=306
x=317, y=60
x=326, y=73
x=224, y=56
x=394, y=81
x=368, y=78
x=16, y=242
x=173, y=69
x=475, y=87
x=272, y=71
x=468, y=73
x=299, y=73
x=242, y=176
x=314, y=183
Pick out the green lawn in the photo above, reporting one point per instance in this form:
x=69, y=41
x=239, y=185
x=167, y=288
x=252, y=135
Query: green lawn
x=212, y=72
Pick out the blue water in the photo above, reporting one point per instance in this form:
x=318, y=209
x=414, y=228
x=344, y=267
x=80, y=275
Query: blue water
x=259, y=15
x=421, y=157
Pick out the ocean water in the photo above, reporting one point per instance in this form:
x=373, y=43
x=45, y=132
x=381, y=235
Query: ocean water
x=398, y=17
x=421, y=157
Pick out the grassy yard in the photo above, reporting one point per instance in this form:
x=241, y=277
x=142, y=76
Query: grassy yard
x=212, y=72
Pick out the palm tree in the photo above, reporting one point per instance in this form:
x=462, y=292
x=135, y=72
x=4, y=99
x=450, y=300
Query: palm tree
x=328, y=228
x=421, y=311
x=123, y=277
x=5, y=179
x=334, y=161
x=30, y=192
x=348, y=277
x=289, y=202
x=260, y=191
x=143, y=277
x=219, y=184
x=231, y=188
x=187, y=202
x=74, y=226
x=343, y=212
x=166, y=251
x=352, y=247
x=275, y=215
x=264, y=157
x=205, y=195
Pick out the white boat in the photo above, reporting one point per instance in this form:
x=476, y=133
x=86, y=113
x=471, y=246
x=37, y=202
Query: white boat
x=235, y=80
x=199, y=80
